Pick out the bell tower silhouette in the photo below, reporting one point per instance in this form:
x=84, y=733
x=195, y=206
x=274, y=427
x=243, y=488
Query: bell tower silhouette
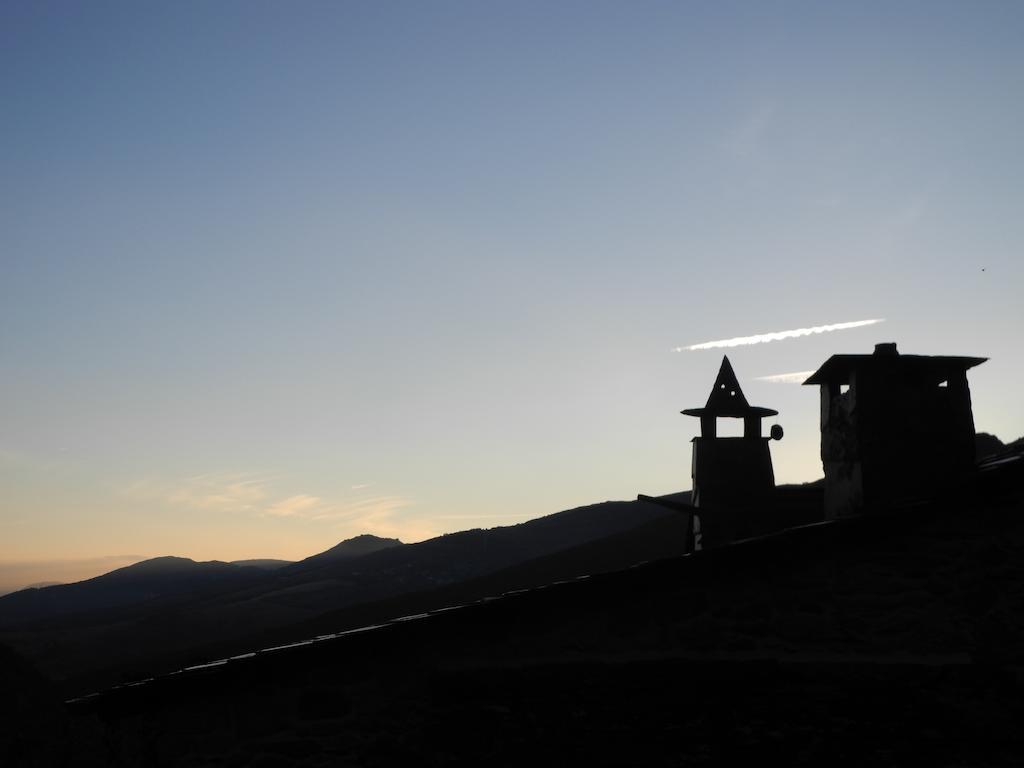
x=731, y=472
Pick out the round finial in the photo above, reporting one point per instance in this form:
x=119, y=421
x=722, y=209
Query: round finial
x=776, y=432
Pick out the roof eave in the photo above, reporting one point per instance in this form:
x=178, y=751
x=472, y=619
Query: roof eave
x=825, y=375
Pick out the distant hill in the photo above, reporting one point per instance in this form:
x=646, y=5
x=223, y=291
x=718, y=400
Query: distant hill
x=266, y=563
x=659, y=538
x=41, y=584
x=655, y=539
x=882, y=640
x=160, y=578
x=103, y=642
x=149, y=579
x=322, y=582
x=354, y=547
x=986, y=444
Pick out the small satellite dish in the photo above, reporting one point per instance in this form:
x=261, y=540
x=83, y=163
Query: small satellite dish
x=776, y=432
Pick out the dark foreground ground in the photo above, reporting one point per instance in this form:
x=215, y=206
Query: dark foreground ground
x=896, y=641
x=657, y=712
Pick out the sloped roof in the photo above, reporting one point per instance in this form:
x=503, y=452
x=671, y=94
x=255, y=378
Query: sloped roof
x=727, y=399
x=839, y=368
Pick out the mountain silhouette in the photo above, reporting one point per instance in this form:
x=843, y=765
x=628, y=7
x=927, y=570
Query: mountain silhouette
x=268, y=564
x=357, y=546
x=986, y=444
x=360, y=581
x=161, y=578
x=655, y=539
x=888, y=639
x=147, y=580
x=159, y=611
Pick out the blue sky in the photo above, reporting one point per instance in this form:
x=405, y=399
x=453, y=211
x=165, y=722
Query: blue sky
x=274, y=274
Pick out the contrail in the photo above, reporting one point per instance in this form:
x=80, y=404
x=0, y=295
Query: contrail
x=796, y=377
x=761, y=338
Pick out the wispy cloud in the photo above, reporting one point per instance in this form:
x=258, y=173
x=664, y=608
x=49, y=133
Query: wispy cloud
x=379, y=515
x=221, y=492
x=371, y=507
x=762, y=338
x=315, y=508
x=212, y=492
x=295, y=506
x=796, y=377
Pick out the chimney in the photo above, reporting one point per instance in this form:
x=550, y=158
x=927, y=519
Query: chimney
x=886, y=350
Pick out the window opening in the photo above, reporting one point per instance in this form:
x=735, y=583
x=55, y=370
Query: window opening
x=729, y=427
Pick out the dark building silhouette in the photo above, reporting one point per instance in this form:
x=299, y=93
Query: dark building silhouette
x=730, y=474
x=894, y=428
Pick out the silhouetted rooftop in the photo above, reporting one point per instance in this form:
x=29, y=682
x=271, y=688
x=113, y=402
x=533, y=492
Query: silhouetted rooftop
x=932, y=368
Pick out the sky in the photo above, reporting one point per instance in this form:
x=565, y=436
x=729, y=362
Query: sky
x=277, y=274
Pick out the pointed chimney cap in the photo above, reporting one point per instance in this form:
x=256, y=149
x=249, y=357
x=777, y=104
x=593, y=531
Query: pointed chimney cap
x=727, y=399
